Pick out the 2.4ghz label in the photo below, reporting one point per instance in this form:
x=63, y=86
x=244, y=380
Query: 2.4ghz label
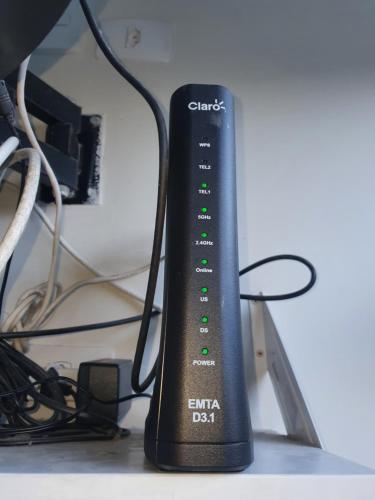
x=200, y=407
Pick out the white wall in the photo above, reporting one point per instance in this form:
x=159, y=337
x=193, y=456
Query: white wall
x=303, y=73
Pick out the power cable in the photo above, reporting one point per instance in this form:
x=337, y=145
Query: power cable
x=284, y=296
x=161, y=197
x=72, y=329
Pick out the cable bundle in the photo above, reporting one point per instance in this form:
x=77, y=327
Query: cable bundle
x=27, y=390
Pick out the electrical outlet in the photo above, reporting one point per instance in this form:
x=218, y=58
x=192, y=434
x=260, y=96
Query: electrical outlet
x=143, y=40
x=63, y=368
x=67, y=358
x=133, y=37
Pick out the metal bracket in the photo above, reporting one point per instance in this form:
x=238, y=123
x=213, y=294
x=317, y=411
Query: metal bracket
x=71, y=143
x=295, y=413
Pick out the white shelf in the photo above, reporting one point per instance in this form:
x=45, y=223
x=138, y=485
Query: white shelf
x=283, y=470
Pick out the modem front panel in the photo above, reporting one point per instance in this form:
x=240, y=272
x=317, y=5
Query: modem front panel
x=199, y=413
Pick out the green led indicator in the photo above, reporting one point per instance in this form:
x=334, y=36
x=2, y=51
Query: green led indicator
x=204, y=262
x=204, y=289
x=204, y=319
x=204, y=185
x=204, y=210
x=204, y=351
x=204, y=234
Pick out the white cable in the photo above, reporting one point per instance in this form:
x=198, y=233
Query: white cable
x=92, y=281
x=32, y=297
x=25, y=206
x=28, y=300
x=69, y=249
x=18, y=312
x=65, y=245
x=54, y=185
x=7, y=148
x=110, y=278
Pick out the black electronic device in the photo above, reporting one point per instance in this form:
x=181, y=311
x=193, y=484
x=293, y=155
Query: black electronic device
x=106, y=379
x=199, y=417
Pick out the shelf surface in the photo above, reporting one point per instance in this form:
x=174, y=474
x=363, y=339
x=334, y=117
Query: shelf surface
x=282, y=470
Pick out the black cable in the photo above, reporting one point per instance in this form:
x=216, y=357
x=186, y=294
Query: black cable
x=70, y=381
x=72, y=329
x=124, y=398
x=16, y=370
x=133, y=319
x=39, y=427
x=48, y=390
x=284, y=296
x=72, y=413
x=161, y=197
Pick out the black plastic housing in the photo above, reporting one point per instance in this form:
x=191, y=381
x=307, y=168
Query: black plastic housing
x=199, y=418
x=107, y=379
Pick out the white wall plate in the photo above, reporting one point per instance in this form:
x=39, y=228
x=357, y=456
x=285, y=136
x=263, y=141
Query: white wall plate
x=143, y=40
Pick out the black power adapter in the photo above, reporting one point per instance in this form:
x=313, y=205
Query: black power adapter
x=106, y=379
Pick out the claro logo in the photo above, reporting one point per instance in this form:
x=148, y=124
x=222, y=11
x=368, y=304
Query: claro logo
x=204, y=106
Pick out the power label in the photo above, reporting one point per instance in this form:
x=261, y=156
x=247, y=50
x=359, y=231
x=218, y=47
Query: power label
x=203, y=410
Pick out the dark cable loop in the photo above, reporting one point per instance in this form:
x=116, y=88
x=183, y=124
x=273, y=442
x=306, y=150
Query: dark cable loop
x=284, y=296
x=22, y=423
x=161, y=196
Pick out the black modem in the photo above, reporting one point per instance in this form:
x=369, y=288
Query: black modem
x=199, y=418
